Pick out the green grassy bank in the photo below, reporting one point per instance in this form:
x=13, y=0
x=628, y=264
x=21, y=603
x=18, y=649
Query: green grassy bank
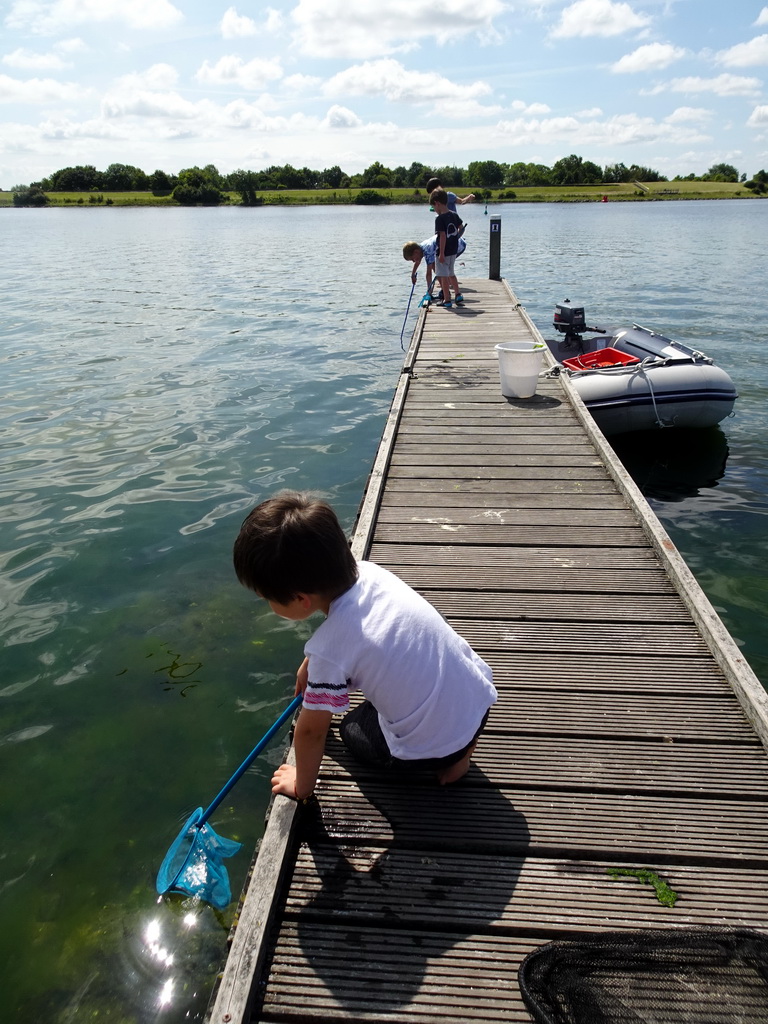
x=627, y=192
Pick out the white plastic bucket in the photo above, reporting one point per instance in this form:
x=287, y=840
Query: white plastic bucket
x=519, y=366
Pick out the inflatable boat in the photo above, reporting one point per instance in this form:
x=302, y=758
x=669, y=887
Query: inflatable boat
x=632, y=378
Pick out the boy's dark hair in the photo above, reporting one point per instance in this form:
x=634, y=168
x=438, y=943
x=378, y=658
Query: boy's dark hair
x=293, y=544
x=439, y=196
x=432, y=184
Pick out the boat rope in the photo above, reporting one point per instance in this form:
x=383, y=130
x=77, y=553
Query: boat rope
x=642, y=369
x=650, y=362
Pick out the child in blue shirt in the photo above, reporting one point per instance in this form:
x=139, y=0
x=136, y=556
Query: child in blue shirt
x=453, y=199
x=427, y=251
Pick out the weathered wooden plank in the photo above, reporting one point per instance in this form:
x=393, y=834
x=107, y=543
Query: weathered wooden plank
x=501, y=514
x=580, y=638
x=456, y=891
x=615, y=764
x=394, y=976
x=579, y=559
x=452, y=459
x=486, y=447
x=542, y=579
x=487, y=603
x=491, y=533
x=483, y=816
x=665, y=717
x=586, y=672
x=480, y=498
x=535, y=474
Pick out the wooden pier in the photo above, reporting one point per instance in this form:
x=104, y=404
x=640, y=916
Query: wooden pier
x=629, y=733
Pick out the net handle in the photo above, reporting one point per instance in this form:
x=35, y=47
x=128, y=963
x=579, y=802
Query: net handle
x=283, y=718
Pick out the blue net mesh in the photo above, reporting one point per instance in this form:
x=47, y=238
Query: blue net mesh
x=193, y=865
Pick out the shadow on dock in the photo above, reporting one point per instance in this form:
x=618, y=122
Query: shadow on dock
x=394, y=872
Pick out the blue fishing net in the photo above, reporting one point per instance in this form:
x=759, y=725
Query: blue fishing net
x=193, y=865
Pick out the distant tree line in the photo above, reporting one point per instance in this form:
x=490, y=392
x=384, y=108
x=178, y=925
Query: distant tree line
x=207, y=186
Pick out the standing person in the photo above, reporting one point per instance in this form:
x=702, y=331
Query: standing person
x=428, y=693
x=453, y=199
x=448, y=228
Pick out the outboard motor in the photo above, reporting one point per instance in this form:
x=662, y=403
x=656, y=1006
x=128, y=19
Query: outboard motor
x=569, y=320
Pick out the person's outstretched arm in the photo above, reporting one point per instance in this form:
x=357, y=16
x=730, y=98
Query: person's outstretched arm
x=309, y=744
x=467, y=199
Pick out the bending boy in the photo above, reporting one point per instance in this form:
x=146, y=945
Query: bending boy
x=427, y=251
x=428, y=693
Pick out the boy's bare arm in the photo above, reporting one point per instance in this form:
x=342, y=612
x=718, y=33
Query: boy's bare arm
x=441, y=244
x=309, y=744
x=416, y=265
x=302, y=677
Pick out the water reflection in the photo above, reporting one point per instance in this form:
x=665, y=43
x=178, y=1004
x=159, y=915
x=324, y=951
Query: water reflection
x=672, y=465
x=166, y=957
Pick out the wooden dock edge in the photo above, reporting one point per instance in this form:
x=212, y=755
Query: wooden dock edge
x=363, y=533
x=234, y=991
x=749, y=690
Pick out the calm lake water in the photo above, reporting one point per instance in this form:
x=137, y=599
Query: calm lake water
x=164, y=370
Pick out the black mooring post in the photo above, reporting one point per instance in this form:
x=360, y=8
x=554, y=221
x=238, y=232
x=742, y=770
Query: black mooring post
x=494, y=264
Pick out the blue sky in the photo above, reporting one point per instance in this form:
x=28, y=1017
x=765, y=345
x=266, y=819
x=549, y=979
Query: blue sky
x=675, y=85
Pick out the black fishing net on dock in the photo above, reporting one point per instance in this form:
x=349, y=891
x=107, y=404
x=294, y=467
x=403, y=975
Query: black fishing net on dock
x=652, y=976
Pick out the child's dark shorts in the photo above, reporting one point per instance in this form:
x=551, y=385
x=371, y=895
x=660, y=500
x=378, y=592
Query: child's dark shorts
x=362, y=736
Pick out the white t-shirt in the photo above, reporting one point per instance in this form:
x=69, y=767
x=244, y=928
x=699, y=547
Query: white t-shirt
x=429, y=687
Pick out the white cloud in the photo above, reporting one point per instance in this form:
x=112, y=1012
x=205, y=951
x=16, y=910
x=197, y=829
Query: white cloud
x=334, y=28
x=341, y=117
x=298, y=84
x=598, y=18
x=697, y=115
x=149, y=104
x=252, y=116
x=590, y=114
x=388, y=78
x=158, y=76
x=745, y=55
x=275, y=21
x=38, y=90
x=529, y=109
x=70, y=46
x=237, y=26
x=722, y=85
x=621, y=130
x=762, y=18
x=651, y=57
x=64, y=129
x=29, y=61
x=49, y=16
x=759, y=117
x=149, y=95
x=252, y=75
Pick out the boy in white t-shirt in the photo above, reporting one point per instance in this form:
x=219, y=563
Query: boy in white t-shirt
x=428, y=693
